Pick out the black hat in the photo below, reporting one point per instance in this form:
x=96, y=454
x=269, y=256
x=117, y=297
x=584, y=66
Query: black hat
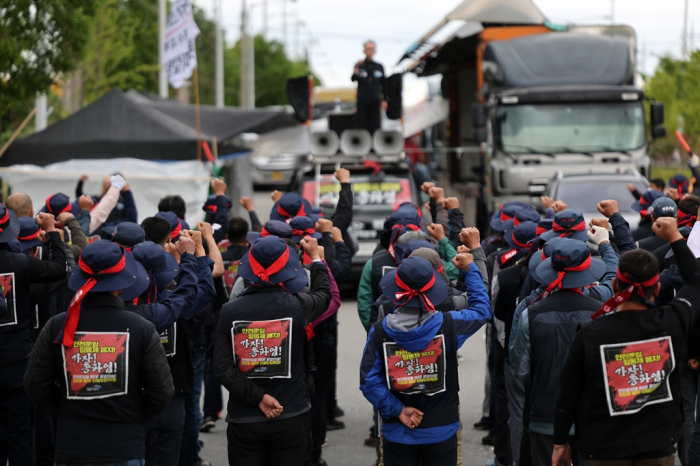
x=9, y=224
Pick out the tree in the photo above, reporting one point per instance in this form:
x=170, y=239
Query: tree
x=676, y=83
x=272, y=69
x=41, y=41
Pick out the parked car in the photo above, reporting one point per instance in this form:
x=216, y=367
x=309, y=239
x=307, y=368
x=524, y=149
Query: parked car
x=375, y=198
x=276, y=172
x=584, y=192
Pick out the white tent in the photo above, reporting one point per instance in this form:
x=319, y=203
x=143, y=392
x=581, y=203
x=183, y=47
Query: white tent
x=149, y=181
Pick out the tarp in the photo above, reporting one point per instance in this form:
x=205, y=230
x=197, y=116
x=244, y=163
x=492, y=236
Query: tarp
x=149, y=181
x=130, y=124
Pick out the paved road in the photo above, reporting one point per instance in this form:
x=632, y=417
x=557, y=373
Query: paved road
x=345, y=447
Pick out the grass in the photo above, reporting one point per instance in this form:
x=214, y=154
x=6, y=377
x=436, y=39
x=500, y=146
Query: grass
x=665, y=173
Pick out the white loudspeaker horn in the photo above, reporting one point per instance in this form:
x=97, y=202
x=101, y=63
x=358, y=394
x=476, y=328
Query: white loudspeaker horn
x=355, y=142
x=324, y=143
x=388, y=142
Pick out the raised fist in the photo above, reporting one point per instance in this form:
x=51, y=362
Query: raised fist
x=437, y=231
x=462, y=261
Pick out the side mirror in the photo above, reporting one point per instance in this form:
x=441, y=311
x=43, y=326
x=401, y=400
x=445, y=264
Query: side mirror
x=478, y=115
x=658, y=131
x=656, y=113
x=480, y=135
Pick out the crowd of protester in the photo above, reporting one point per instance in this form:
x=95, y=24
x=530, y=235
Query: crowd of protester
x=114, y=333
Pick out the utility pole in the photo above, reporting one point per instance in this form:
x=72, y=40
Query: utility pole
x=41, y=118
x=684, y=49
x=247, y=62
x=219, y=56
x=612, y=11
x=162, y=24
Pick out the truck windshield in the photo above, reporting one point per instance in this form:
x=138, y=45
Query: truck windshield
x=570, y=128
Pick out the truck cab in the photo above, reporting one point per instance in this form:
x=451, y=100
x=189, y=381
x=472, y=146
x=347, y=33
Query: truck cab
x=561, y=102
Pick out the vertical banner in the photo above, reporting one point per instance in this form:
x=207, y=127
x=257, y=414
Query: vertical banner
x=410, y=372
x=179, y=52
x=97, y=365
x=637, y=374
x=262, y=349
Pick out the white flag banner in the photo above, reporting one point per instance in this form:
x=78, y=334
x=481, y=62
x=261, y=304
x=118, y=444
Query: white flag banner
x=179, y=52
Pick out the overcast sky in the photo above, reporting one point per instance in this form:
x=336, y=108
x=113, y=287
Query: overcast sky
x=333, y=30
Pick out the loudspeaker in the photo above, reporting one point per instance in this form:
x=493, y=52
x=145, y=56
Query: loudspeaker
x=341, y=121
x=324, y=143
x=388, y=142
x=299, y=97
x=355, y=142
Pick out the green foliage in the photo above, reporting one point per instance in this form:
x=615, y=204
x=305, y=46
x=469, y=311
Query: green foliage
x=676, y=83
x=40, y=42
x=109, y=54
x=272, y=69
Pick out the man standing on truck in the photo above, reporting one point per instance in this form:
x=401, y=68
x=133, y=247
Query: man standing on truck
x=370, y=90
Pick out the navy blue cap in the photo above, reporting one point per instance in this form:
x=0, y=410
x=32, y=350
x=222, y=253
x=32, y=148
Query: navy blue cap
x=265, y=252
x=525, y=214
x=663, y=207
x=541, y=255
x=162, y=264
x=210, y=206
x=128, y=234
x=102, y=255
x=176, y=225
x=680, y=182
x=290, y=205
x=416, y=273
x=569, y=253
x=398, y=221
x=15, y=246
x=302, y=227
x=9, y=224
x=405, y=250
x=644, y=202
x=58, y=203
x=567, y=224
x=274, y=228
x=506, y=213
x=520, y=236
x=28, y=234
x=544, y=225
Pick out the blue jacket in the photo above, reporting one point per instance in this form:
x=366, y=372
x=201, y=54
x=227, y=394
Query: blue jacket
x=372, y=374
x=171, y=305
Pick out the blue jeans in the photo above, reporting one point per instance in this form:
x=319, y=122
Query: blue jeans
x=122, y=463
x=193, y=415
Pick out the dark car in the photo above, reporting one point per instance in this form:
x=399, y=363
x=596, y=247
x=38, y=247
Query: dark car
x=584, y=192
x=375, y=197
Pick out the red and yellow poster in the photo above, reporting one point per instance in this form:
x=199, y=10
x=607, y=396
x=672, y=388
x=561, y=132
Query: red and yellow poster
x=637, y=374
x=97, y=366
x=416, y=372
x=7, y=285
x=262, y=349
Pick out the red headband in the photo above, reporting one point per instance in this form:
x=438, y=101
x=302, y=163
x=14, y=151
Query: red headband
x=561, y=274
x=308, y=231
x=5, y=218
x=505, y=217
x=176, y=232
x=211, y=208
x=265, y=273
x=284, y=214
x=626, y=294
x=31, y=237
x=264, y=233
x=410, y=293
x=540, y=230
x=580, y=226
x=48, y=205
x=395, y=230
x=686, y=219
x=680, y=187
x=70, y=324
x=519, y=244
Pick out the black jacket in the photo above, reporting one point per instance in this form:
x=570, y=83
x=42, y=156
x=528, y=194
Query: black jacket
x=584, y=393
x=265, y=304
x=17, y=273
x=102, y=418
x=371, y=81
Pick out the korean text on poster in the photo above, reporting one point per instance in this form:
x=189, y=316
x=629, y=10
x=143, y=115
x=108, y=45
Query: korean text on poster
x=637, y=374
x=97, y=366
x=262, y=348
x=416, y=372
x=168, y=339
